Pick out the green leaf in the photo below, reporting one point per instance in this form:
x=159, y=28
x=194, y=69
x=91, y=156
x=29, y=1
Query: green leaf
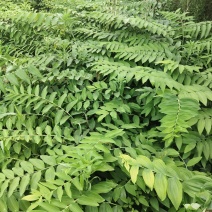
x=103, y=187
x=154, y=203
x=58, y=116
x=63, y=176
x=12, y=78
x=67, y=187
x=77, y=183
x=13, y=204
x=24, y=183
x=50, y=160
x=22, y=75
x=105, y=207
x=208, y=125
x=84, y=94
x=144, y=161
x=35, y=179
x=86, y=104
x=47, y=108
x=117, y=208
x=14, y=184
x=113, y=114
x=44, y=92
x=134, y=173
x=60, y=193
x=101, y=147
x=37, y=163
x=74, y=207
x=8, y=173
x=48, y=207
x=194, y=161
x=30, y=197
x=4, y=187
x=38, y=131
x=148, y=177
x=50, y=174
x=49, y=185
x=37, y=90
x=192, y=206
x=39, y=104
x=3, y=206
x=2, y=177
x=102, y=117
x=86, y=200
x=48, y=130
x=64, y=119
x=71, y=105
x=33, y=206
x=131, y=189
x=117, y=192
x=34, y=71
x=175, y=192
x=59, y=204
x=201, y=125
x=160, y=166
x=161, y=185
x=114, y=133
x=203, y=30
x=45, y=192
x=2, y=115
x=52, y=96
x=189, y=147
x=61, y=99
x=27, y=166
x=143, y=201
x=2, y=86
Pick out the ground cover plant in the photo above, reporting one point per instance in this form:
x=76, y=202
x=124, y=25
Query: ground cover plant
x=105, y=106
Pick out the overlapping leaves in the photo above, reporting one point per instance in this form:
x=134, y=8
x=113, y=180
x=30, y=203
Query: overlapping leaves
x=104, y=108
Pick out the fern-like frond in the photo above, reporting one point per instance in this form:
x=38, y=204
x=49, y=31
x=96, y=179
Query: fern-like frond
x=201, y=30
x=197, y=92
x=120, y=21
x=120, y=71
x=182, y=109
x=176, y=16
x=203, y=121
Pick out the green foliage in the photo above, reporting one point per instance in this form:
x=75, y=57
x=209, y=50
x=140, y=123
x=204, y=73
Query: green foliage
x=200, y=9
x=104, y=108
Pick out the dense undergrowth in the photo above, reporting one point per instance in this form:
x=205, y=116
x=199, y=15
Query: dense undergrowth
x=200, y=9
x=104, y=108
